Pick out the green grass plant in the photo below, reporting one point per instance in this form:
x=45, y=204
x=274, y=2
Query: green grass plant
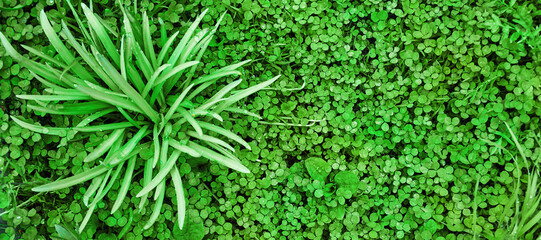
x=141, y=97
x=525, y=219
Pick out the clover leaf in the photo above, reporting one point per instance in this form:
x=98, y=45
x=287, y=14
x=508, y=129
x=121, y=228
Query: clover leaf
x=318, y=168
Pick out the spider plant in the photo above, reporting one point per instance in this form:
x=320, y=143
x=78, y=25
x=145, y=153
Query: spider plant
x=141, y=97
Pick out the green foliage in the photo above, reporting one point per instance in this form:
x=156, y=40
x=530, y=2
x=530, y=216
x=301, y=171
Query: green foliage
x=145, y=104
x=410, y=98
x=318, y=168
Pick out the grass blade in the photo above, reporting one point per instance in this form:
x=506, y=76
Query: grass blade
x=208, y=113
x=125, y=184
x=225, y=133
x=105, y=145
x=166, y=47
x=147, y=177
x=161, y=174
x=218, y=96
x=91, y=61
x=517, y=144
x=223, y=151
x=94, y=202
x=181, y=201
x=65, y=91
x=105, y=90
x=128, y=89
x=73, y=180
x=44, y=56
x=207, y=138
x=191, y=120
x=142, y=61
x=212, y=155
x=152, y=80
x=62, y=132
x=54, y=97
x=187, y=36
x=177, y=102
x=106, y=127
x=174, y=71
x=96, y=182
x=243, y=93
x=242, y=111
x=101, y=34
x=183, y=148
x=79, y=22
x=62, y=50
x=184, y=56
x=202, y=47
x=156, y=146
x=123, y=153
x=33, y=66
x=93, y=117
x=101, y=195
x=156, y=210
x=147, y=41
x=215, y=76
x=108, y=98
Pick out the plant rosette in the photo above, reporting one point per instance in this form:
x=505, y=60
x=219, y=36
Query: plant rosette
x=140, y=98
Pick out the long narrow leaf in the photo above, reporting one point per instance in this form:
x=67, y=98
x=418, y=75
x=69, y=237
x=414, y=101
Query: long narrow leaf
x=156, y=210
x=187, y=36
x=183, y=58
x=73, y=180
x=111, y=99
x=91, y=61
x=207, y=138
x=147, y=41
x=122, y=154
x=104, y=146
x=44, y=56
x=166, y=47
x=142, y=61
x=158, y=85
x=212, y=155
x=242, y=111
x=244, y=93
x=125, y=184
x=147, y=177
x=161, y=174
x=101, y=193
x=191, y=120
x=96, y=182
x=33, y=66
x=70, y=109
x=105, y=90
x=202, y=47
x=181, y=201
x=225, y=133
x=177, y=102
x=128, y=89
x=164, y=77
x=152, y=80
x=54, y=97
x=214, y=99
x=66, y=91
x=62, y=50
x=156, y=141
x=106, y=127
x=95, y=201
x=101, y=34
x=183, y=148
x=62, y=132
